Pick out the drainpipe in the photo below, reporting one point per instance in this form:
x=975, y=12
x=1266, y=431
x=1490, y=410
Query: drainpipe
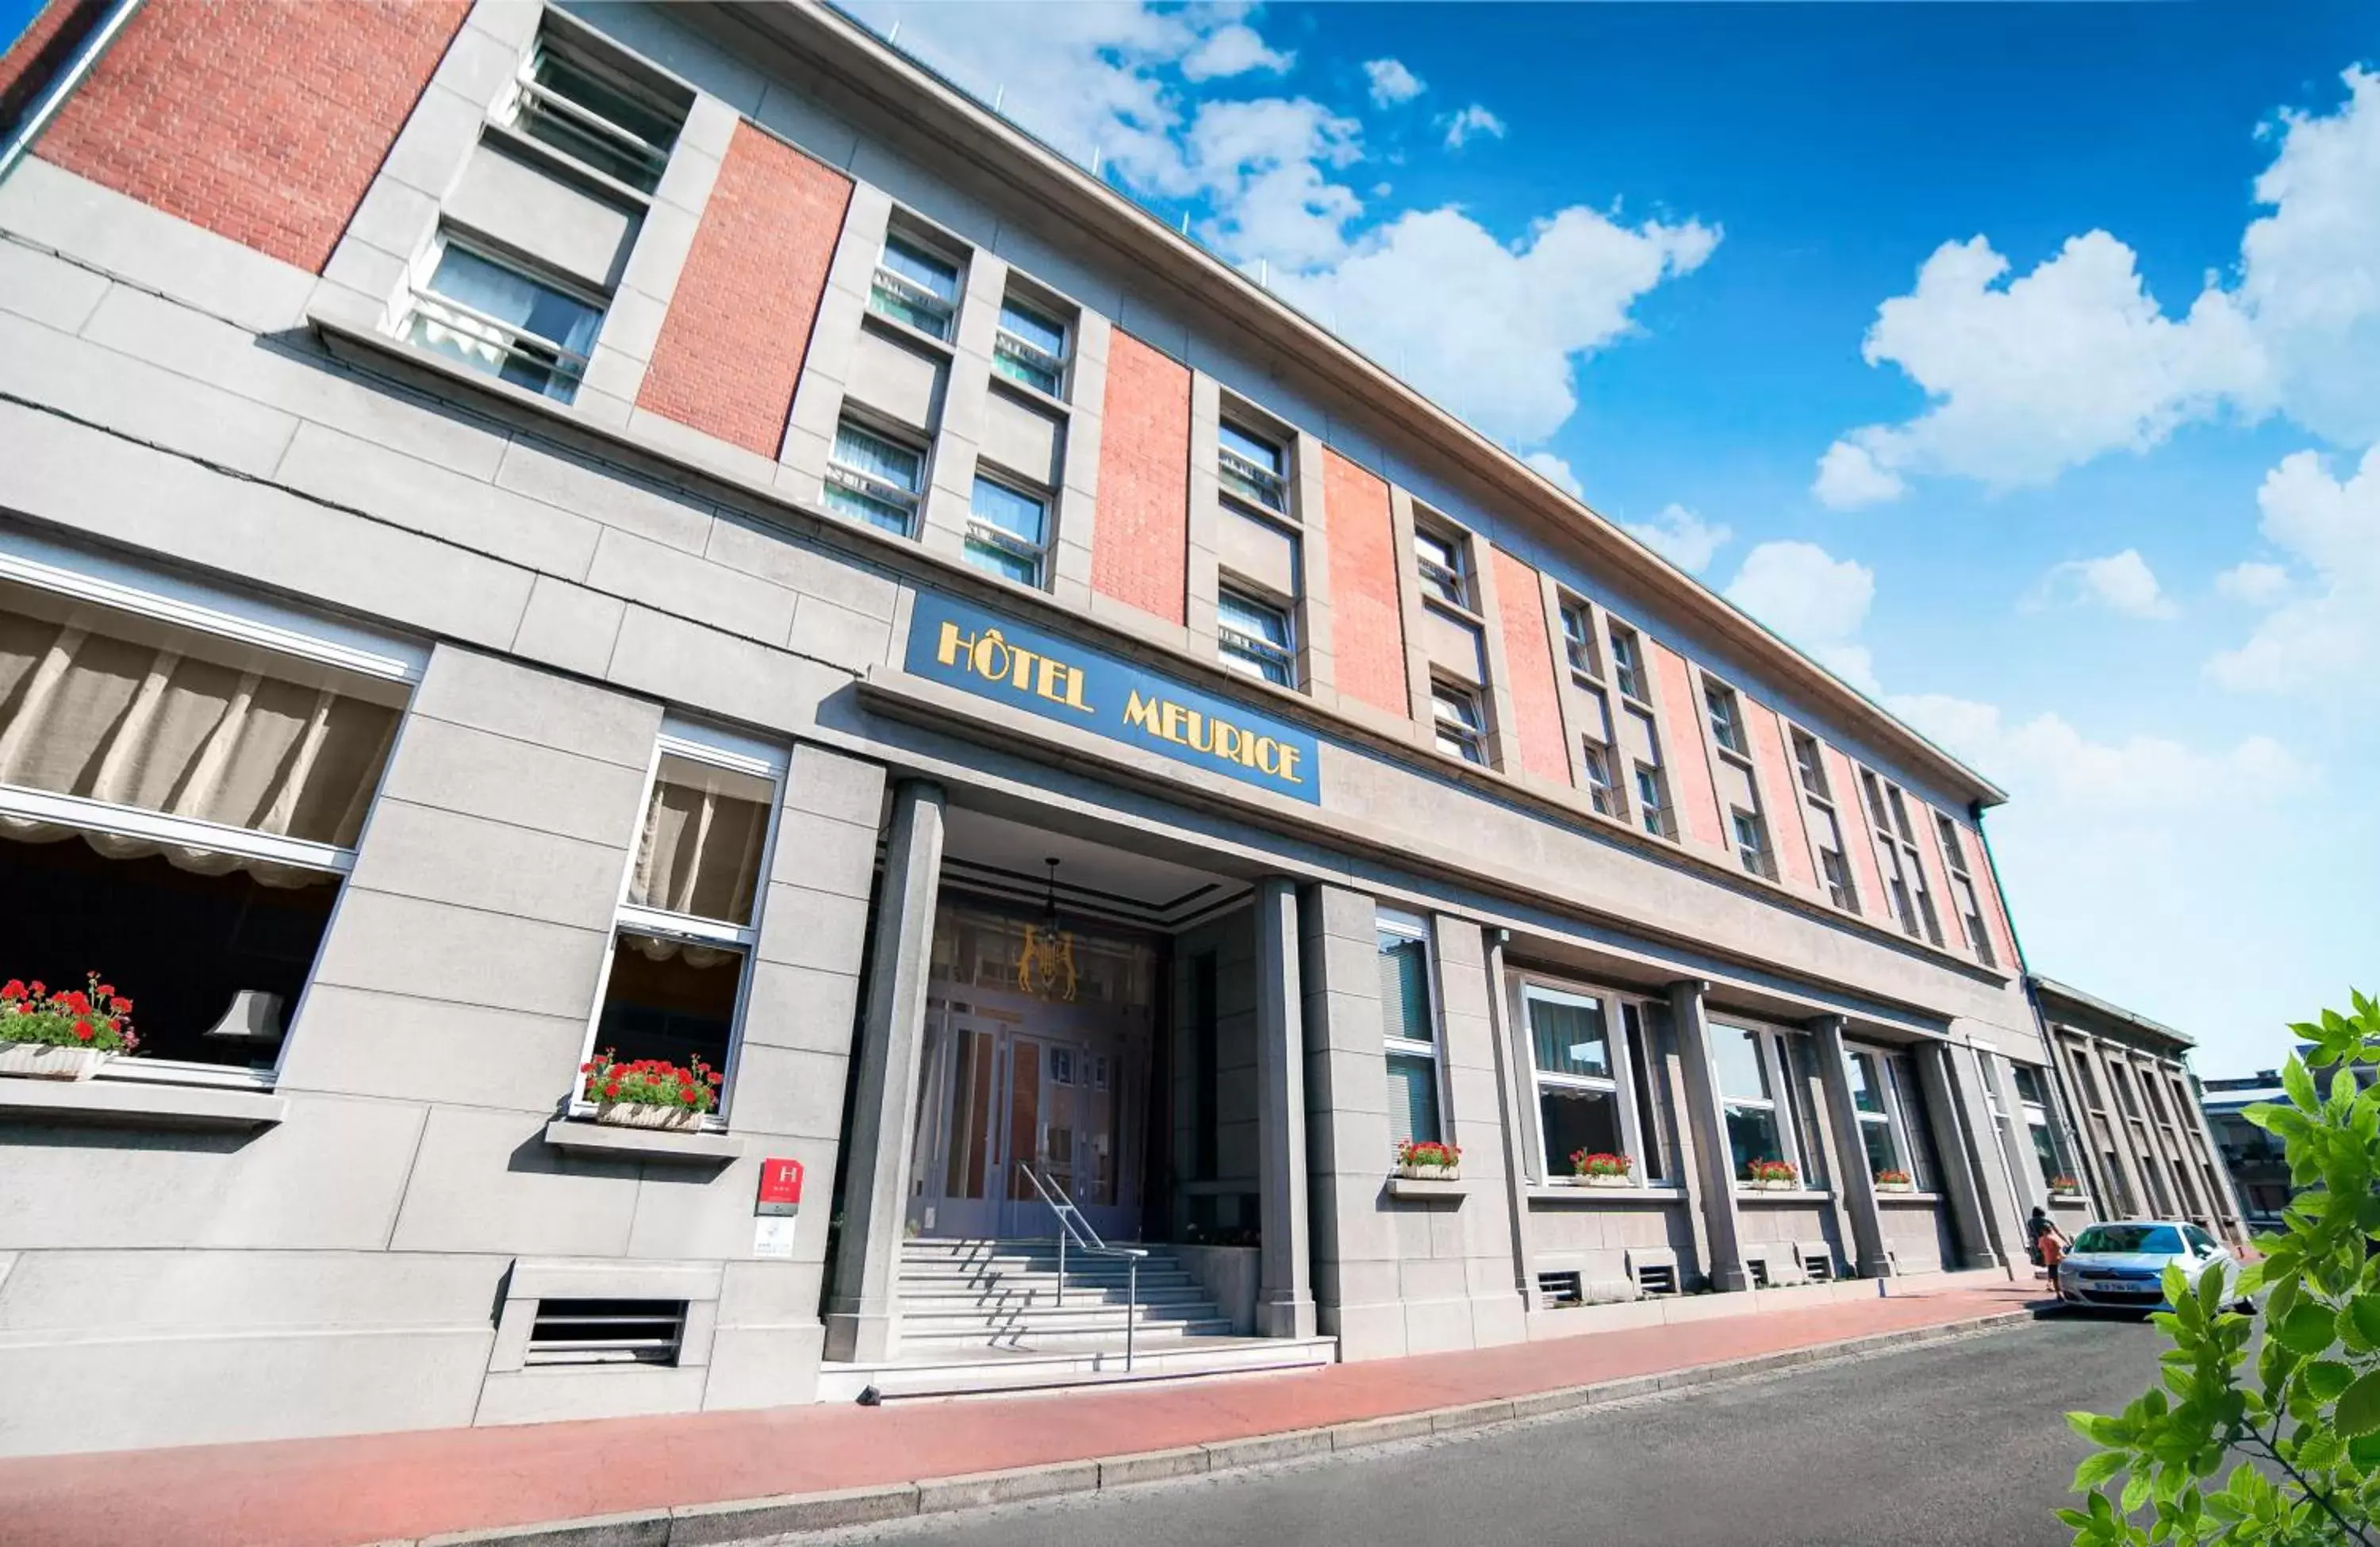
x=20, y=138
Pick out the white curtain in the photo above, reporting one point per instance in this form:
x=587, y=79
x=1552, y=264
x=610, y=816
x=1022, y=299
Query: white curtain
x=700, y=851
x=134, y=725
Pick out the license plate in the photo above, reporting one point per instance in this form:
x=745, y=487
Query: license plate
x=2117, y=1285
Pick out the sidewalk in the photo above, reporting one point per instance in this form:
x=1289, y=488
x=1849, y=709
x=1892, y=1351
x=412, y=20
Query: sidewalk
x=339, y=1493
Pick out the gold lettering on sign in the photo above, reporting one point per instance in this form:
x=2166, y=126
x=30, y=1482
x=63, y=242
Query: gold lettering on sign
x=990, y=656
x=1201, y=732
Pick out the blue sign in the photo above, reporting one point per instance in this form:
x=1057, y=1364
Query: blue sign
x=991, y=657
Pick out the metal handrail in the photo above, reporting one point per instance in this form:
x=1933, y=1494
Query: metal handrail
x=1073, y=1225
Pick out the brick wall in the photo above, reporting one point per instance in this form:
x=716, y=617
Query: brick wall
x=1782, y=796
x=262, y=121
x=1859, y=839
x=1529, y=661
x=1687, y=763
x=739, y=327
x=1368, y=637
x=1987, y=892
x=1140, y=549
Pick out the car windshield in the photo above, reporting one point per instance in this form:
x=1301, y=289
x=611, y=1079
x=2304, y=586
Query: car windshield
x=2151, y=1238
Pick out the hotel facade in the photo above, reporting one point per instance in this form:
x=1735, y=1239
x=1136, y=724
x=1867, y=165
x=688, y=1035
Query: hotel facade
x=532, y=536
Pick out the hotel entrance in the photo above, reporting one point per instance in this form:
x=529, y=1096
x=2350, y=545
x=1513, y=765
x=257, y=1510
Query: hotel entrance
x=1037, y=1055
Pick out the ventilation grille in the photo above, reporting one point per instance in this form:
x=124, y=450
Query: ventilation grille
x=1555, y=1289
x=1818, y=1267
x=1758, y=1268
x=1656, y=1279
x=606, y=1332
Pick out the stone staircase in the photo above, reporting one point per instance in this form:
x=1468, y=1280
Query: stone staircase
x=980, y=1316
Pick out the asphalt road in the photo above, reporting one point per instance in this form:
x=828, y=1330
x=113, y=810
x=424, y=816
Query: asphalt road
x=1955, y=1442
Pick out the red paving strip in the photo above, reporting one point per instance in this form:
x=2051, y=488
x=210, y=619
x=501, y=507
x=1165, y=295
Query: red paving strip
x=337, y=1492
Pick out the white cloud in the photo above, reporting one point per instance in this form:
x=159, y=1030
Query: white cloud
x=1232, y=49
x=1849, y=477
x=2030, y=375
x=1471, y=122
x=1682, y=537
x=2328, y=638
x=1556, y=471
x=2254, y=583
x=2120, y=582
x=2046, y=759
x=1392, y=83
x=1813, y=599
x=1490, y=329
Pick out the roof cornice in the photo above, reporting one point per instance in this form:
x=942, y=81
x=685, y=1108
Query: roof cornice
x=910, y=93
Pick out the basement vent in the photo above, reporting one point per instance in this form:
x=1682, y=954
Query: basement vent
x=1818, y=1268
x=1555, y=1289
x=606, y=1332
x=1658, y=1279
x=1758, y=1268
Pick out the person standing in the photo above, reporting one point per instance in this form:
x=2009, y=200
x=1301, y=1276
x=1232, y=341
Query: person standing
x=2049, y=1243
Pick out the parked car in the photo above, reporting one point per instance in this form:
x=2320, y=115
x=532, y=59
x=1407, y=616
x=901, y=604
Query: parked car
x=2120, y=1264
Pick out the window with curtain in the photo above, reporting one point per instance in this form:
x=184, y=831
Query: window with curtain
x=689, y=914
x=2048, y=1150
x=496, y=317
x=1869, y=1102
x=178, y=809
x=1583, y=1084
x=1909, y=1112
x=1759, y=1127
x=1408, y=1026
x=875, y=479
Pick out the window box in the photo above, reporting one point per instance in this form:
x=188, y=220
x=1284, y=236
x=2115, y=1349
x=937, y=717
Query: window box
x=1772, y=1175
x=650, y=1093
x=1603, y=1170
x=1901, y=1184
x=1410, y=1187
x=596, y=1142
x=66, y=1035
x=1606, y=1181
x=1422, y=1160
x=41, y=1061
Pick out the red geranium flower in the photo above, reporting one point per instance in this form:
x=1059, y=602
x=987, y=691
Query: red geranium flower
x=83, y=1030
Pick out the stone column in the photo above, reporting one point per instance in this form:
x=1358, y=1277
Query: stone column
x=1858, y=1181
x=1952, y=1143
x=1356, y=1294
x=1284, y=1292
x=1709, y=1120
x=1520, y=1133
x=860, y=1313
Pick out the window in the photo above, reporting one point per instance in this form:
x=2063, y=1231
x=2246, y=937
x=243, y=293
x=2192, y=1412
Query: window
x=1595, y=760
x=1583, y=1079
x=875, y=480
x=1409, y=1025
x=1726, y=719
x=1578, y=637
x=1882, y=1133
x=1964, y=896
x=596, y=112
x=1759, y=1127
x=179, y=808
x=1752, y=844
x=1007, y=531
x=1439, y=560
x=1628, y=665
x=497, y=317
x=1652, y=805
x=1253, y=639
x=689, y=913
x=1896, y=858
x=916, y=285
x=1030, y=347
x=1252, y=468
x=1839, y=880
x=1647, y=1026
x=1812, y=766
x=1460, y=728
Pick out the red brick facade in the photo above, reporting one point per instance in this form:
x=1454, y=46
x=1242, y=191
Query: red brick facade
x=1140, y=550
x=1851, y=816
x=1529, y=662
x=1987, y=892
x=1367, y=631
x=1782, y=798
x=731, y=349
x=262, y=121
x=1688, y=764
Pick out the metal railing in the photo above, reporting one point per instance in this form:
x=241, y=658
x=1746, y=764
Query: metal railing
x=1073, y=1226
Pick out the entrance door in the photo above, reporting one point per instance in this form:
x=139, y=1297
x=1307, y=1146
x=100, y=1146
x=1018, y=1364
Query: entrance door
x=1065, y=1094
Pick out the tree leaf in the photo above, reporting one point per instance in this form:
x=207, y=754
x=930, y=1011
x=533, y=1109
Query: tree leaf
x=2096, y=1469
x=2359, y=1407
x=2298, y=1083
x=2363, y=1313
x=2325, y=1378
x=2308, y=1329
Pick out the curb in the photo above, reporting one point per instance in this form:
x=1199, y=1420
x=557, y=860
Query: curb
x=746, y=1520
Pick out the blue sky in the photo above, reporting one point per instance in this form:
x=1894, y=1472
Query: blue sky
x=2082, y=502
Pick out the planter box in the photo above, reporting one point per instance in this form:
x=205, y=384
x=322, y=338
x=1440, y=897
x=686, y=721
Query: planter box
x=1431, y=1173
x=41, y=1061
x=2067, y=1197
x=1605, y=1182
x=1896, y=1186
x=1786, y=1185
x=636, y=1114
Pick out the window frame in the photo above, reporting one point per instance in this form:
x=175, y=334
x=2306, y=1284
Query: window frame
x=1412, y=929
x=562, y=364
x=1655, y=815
x=1620, y=1085
x=1008, y=344
x=1469, y=735
x=1723, y=713
x=912, y=293
x=864, y=484
x=1595, y=760
x=393, y=667
x=1577, y=624
x=1886, y=1070
x=1777, y=1072
x=1445, y=582
x=1246, y=481
x=1628, y=665
x=588, y=54
x=1751, y=845
x=717, y=746
x=1234, y=644
x=983, y=531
